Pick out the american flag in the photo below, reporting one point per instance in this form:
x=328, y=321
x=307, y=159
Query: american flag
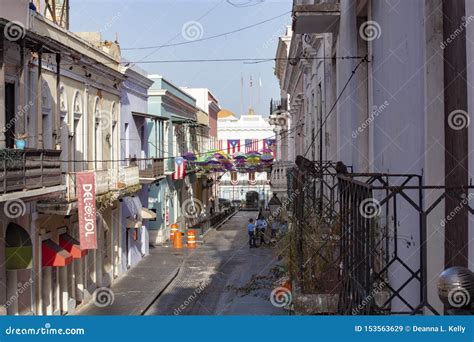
x=271, y=145
x=220, y=144
x=251, y=145
x=233, y=146
x=179, y=168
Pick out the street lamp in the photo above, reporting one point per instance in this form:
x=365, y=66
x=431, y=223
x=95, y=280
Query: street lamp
x=275, y=206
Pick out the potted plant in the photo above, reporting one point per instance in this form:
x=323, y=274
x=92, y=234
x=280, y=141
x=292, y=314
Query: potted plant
x=20, y=140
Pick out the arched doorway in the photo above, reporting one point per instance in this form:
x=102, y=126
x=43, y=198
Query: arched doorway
x=19, y=261
x=251, y=200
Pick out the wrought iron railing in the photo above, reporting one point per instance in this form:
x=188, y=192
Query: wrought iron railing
x=362, y=238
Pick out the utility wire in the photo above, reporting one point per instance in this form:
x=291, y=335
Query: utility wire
x=335, y=103
x=138, y=159
x=208, y=38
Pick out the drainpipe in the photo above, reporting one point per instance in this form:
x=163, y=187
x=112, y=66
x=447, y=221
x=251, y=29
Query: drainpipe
x=456, y=140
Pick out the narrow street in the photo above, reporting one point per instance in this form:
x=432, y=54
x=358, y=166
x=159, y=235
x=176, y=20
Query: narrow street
x=223, y=276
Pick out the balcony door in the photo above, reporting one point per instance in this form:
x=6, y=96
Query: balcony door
x=10, y=115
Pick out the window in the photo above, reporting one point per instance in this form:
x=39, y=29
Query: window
x=252, y=176
x=78, y=133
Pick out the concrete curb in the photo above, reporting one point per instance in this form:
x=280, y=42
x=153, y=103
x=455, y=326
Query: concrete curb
x=224, y=221
x=156, y=294
x=216, y=227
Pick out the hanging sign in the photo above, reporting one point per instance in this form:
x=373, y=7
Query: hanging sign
x=85, y=190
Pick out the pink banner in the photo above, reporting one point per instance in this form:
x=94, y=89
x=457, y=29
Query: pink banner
x=85, y=190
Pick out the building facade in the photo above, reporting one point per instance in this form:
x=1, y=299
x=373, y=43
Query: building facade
x=390, y=111
x=67, y=99
x=136, y=150
x=247, y=133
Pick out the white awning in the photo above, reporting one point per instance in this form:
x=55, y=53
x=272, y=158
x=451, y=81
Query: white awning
x=148, y=214
x=133, y=223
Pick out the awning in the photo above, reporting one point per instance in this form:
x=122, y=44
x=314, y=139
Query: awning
x=148, y=214
x=54, y=255
x=71, y=245
x=133, y=223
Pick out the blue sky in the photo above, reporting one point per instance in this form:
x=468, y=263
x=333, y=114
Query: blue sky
x=140, y=23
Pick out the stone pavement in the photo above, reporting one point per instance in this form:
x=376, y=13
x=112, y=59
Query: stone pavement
x=138, y=288
x=223, y=276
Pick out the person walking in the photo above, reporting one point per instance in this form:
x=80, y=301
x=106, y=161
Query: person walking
x=261, y=227
x=251, y=231
x=275, y=226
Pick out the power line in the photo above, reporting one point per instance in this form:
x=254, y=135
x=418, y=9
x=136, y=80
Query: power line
x=208, y=38
x=216, y=60
x=335, y=103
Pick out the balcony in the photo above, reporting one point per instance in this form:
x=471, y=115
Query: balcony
x=149, y=169
x=29, y=173
x=106, y=181
x=320, y=17
x=279, y=176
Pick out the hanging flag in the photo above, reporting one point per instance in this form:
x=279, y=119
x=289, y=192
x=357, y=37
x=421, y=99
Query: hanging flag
x=271, y=145
x=233, y=146
x=251, y=145
x=179, y=168
x=220, y=144
x=234, y=178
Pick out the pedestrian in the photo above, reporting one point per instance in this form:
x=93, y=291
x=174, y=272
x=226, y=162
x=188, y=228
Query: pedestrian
x=251, y=231
x=275, y=226
x=261, y=227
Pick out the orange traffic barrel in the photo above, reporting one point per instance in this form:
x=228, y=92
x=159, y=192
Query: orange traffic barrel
x=178, y=240
x=191, y=239
x=174, y=229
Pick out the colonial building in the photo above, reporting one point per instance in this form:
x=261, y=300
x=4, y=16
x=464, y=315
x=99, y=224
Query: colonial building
x=136, y=150
x=64, y=93
x=378, y=85
x=180, y=133
x=248, y=133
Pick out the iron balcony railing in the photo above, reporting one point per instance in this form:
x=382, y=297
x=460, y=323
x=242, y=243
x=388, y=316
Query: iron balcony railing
x=362, y=238
x=29, y=169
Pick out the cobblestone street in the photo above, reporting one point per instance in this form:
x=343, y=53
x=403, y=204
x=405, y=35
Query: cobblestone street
x=222, y=277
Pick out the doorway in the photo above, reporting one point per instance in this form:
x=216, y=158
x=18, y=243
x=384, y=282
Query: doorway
x=10, y=115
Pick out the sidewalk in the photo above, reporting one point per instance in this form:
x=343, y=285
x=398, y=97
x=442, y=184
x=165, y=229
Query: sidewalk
x=137, y=289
